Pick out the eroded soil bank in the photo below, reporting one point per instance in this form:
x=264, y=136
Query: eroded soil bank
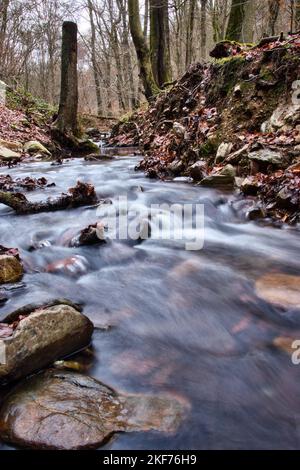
x=243, y=110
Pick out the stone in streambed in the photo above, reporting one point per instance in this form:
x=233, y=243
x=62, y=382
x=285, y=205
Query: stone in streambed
x=282, y=290
x=34, y=147
x=7, y=154
x=67, y=410
x=11, y=269
x=226, y=177
x=40, y=337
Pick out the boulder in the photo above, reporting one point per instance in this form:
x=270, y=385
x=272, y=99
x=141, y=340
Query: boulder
x=41, y=336
x=88, y=146
x=8, y=154
x=65, y=410
x=225, y=177
x=282, y=290
x=15, y=146
x=11, y=269
x=34, y=147
x=266, y=156
x=223, y=151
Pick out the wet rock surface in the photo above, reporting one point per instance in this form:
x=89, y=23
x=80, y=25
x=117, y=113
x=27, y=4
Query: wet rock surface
x=11, y=269
x=40, y=336
x=66, y=410
x=279, y=289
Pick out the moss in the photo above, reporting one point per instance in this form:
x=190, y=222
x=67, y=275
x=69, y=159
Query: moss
x=208, y=148
x=235, y=59
x=35, y=108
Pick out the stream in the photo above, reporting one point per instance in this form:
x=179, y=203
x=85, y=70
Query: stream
x=169, y=320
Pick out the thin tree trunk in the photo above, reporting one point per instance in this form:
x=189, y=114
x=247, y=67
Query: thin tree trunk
x=274, y=7
x=94, y=60
x=190, y=33
x=297, y=15
x=67, y=122
x=160, y=41
x=236, y=20
x=142, y=50
x=203, y=28
x=3, y=27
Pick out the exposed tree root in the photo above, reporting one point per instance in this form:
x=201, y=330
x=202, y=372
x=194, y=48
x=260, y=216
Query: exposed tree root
x=82, y=194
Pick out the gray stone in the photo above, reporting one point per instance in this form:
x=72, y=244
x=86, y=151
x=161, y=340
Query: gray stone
x=266, y=156
x=223, y=151
x=8, y=154
x=226, y=177
x=44, y=335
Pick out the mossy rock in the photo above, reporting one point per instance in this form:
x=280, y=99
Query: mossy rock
x=33, y=147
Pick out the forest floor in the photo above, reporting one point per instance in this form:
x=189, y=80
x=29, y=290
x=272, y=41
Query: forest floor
x=231, y=122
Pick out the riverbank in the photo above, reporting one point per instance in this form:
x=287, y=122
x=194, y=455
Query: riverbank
x=232, y=123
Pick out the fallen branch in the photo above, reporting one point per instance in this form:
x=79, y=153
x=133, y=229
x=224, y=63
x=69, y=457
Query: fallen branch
x=82, y=194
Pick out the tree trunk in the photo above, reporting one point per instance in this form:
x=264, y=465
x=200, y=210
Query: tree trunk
x=236, y=20
x=142, y=50
x=249, y=23
x=67, y=123
x=274, y=7
x=297, y=15
x=94, y=60
x=3, y=26
x=189, y=33
x=160, y=41
x=203, y=28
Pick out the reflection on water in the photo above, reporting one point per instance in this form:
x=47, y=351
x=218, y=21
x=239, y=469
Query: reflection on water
x=185, y=322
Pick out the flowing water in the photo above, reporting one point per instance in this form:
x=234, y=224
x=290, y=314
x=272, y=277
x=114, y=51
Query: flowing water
x=183, y=322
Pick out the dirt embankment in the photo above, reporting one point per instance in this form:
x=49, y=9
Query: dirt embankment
x=233, y=122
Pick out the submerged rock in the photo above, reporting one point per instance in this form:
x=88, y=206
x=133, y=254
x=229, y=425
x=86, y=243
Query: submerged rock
x=67, y=410
x=282, y=290
x=41, y=336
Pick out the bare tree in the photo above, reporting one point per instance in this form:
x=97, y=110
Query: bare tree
x=142, y=50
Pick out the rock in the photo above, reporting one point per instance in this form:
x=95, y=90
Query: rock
x=11, y=269
x=250, y=186
x=285, y=114
x=279, y=289
x=72, y=266
x=178, y=129
x=223, y=151
x=35, y=147
x=226, y=177
x=284, y=344
x=176, y=167
x=255, y=213
x=65, y=410
x=15, y=146
x=236, y=157
x=40, y=337
x=91, y=235
x=197, y=170
x=88, y=146
x=266, y=156
x=8, y=154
